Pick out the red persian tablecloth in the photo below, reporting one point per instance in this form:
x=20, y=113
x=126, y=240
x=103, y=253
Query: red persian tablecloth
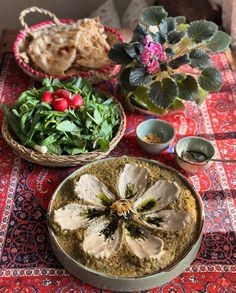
x=27, y=262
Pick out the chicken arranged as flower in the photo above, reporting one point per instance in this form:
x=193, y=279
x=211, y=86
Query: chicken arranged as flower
x=129, y=218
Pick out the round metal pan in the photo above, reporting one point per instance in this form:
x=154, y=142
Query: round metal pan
x=108, y=282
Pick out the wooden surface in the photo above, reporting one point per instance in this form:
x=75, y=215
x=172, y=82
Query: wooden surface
x=9, y=35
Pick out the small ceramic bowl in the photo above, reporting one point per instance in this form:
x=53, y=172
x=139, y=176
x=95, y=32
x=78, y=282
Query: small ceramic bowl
x=194, y=144
x=160, y=128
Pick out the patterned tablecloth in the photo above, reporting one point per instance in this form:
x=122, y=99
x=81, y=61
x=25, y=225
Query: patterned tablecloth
x=27, y=263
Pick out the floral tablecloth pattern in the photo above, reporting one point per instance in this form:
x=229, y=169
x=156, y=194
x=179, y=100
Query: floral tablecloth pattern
x=27, y=263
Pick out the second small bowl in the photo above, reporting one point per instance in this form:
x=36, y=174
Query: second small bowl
x=158, y=129
x=198, y=145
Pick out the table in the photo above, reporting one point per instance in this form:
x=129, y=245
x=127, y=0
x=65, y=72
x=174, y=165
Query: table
x=27, y=262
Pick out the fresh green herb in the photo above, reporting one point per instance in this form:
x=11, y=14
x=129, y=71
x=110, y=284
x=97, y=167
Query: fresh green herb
x=146, y=205
x=36, y=125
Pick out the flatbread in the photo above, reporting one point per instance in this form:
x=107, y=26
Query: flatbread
x=54, y=53
x=93, y=48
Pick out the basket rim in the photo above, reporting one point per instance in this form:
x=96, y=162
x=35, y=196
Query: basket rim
x=63, y=160
x=40, y=74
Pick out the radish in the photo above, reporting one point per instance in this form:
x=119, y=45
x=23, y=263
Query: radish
x=76, y=101
x=60, y=104
x=61, y=93
x=47, y=97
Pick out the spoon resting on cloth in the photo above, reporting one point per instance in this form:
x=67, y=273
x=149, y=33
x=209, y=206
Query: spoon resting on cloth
x=198, y=157
x=223, y=160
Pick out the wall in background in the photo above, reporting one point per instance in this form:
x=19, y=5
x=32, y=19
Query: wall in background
x=10, y=10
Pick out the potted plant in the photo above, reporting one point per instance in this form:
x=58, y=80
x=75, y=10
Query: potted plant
x=153, y=77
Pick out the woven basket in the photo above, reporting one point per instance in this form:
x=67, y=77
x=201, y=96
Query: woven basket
x=63, y=160
x=21, y=41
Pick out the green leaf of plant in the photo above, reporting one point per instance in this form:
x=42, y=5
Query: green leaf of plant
x=56, y=82
x=180, y=19
x=177, y=105
x=51, y=139
x=158, y=38
x=86, y=87
x=77, y=82
x=210, y=79
x=75, y=151
x=169, y=52
x=46, y=82
x=153, y=15
x=139, y=76
x=103, y=144
x=139, y=33
x=124, y=79
x=174, y=37
x=35, y=119
x=167, y=25
x=202, y=94
x=106, y=129
x=163, y=92
x=201, y=30
x=46, y=106
x=142, y=98
x=119, y=55
x=28, y=105
x=97, y=116
x=185, y=43
x=17, y=114
x=132, y=49
x=199, y=59
x=176, y=63
x=23, y=121
x=163, y=66
x=126, y=102
x=13, y=122
x=187, y=87
x=67, y=126
x=219, y=42
x=182, y=27
x=54, y=149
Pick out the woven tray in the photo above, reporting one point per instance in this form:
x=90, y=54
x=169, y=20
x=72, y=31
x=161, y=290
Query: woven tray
x=22, y=39
x=63, y=160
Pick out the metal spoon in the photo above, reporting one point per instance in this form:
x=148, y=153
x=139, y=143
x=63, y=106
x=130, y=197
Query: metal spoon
x=198, y=157
x=223, y=160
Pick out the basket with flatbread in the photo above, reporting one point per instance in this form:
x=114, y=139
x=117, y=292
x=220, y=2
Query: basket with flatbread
x=66, y=48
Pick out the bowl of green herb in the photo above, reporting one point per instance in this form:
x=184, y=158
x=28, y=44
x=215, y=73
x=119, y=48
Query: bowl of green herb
x=63, y=124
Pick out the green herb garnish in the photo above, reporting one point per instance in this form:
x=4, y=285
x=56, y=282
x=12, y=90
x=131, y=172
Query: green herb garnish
x=94, y=213
x=147, y=205
x=130, y=190
x=134, y=231
x=105, y=200
x=154, y=221
x=111, y=227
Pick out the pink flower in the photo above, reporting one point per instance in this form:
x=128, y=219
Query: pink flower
x=148, y=39
x=162, y=56
x=153, y=66
x=145, y=55
x=152, y=54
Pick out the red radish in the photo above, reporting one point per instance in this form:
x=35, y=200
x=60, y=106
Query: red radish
x=76, y=101
x=47, y=97
x=61, y=93
x=60, y=104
